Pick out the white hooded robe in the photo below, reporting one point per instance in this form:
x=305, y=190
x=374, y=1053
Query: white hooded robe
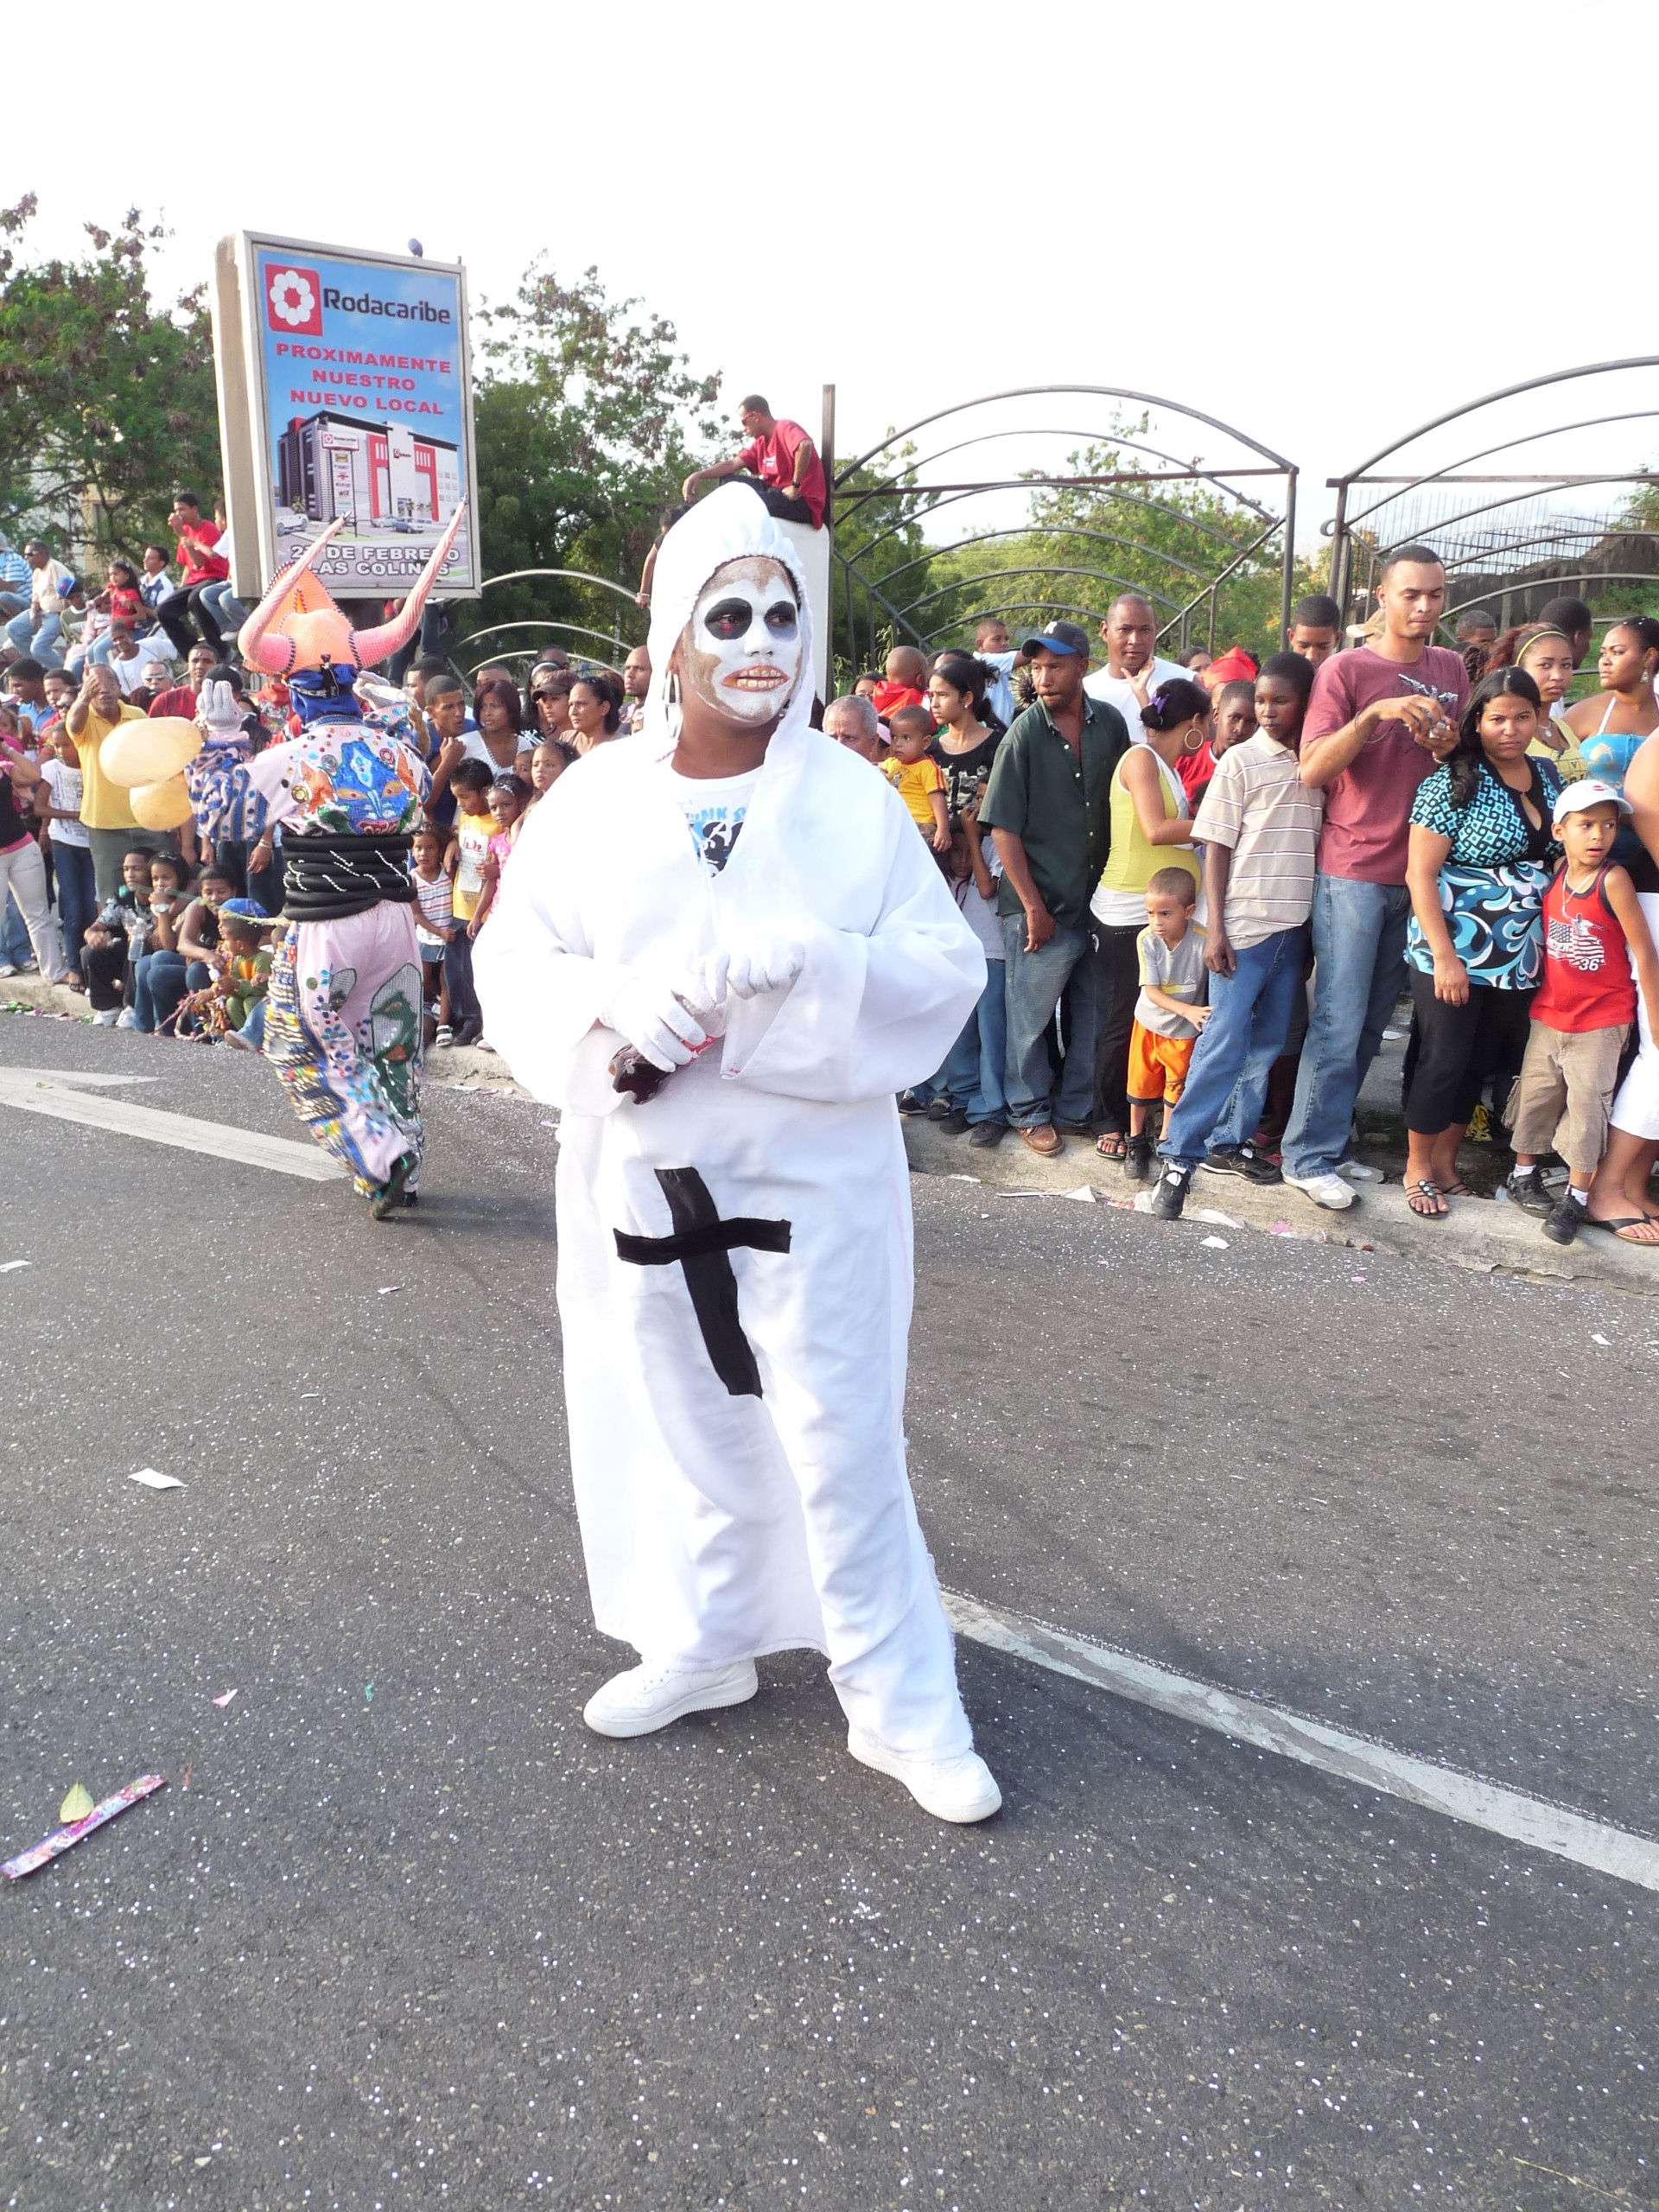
x=715, y=1527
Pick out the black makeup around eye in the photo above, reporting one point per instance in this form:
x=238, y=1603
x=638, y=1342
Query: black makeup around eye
x=781, y=618
x=729, y=618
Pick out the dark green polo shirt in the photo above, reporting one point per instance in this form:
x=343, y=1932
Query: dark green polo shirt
x=1060, y=805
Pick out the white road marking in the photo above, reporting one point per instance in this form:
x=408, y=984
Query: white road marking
x=56, y=1091
x=1510, y=1813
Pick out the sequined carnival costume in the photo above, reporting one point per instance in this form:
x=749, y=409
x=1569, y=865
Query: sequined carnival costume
x=343, y=1014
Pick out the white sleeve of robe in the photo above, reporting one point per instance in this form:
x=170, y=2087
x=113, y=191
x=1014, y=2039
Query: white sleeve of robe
x=604, y=879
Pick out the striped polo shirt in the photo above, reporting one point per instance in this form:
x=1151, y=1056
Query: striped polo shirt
x=1258, y=804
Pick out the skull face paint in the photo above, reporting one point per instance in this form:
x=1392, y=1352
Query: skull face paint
x=740, y=652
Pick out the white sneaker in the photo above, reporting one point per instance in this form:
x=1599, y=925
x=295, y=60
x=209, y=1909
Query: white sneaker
x=1328, y=1190
x=106, y=1017
x=128, y=1018
x=961, y=1790
x=7, y=968
x=1356, y=1171
x=647, y=1697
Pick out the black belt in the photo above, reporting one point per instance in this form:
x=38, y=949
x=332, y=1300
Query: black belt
x=324, y=878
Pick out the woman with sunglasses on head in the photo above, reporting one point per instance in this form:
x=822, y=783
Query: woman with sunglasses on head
x=547, y=702
x=595, y=708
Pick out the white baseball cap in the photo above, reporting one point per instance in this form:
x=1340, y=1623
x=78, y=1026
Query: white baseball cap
x=1589, y=791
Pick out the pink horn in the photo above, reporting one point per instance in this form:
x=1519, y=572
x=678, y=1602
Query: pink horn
x=275, y=655
x=370, y=646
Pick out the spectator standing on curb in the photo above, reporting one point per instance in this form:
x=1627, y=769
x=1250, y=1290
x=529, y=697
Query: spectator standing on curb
x=1316, y=628
x=97, y=709
x=1151, y=829
x=1483, y=849
x=58, y=804
x=23, y=869
x=1574, y=620
x=1048, y=805
x=635, y=682
x=1258, y=826
x=854, y=722
x=1133, y=670
x=1379, y=718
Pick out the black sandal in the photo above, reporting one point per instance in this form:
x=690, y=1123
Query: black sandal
x=1111, y=1144
x=1429, y=1191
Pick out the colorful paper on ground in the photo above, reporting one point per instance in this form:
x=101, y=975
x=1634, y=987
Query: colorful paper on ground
x=64, y=1839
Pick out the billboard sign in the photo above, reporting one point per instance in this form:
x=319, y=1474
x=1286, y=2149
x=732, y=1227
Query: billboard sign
x=345, y=394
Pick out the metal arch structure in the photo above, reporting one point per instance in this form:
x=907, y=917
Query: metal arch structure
x=1512, y=535
x=1245, y=529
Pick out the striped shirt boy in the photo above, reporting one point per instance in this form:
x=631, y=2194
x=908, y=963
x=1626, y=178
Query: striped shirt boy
x=1258, y=805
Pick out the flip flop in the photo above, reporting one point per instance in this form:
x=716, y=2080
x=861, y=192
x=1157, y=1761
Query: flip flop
x=1455, y=1191
x=1620, y=1225
x=1111, y=1146
x=1427, y=1190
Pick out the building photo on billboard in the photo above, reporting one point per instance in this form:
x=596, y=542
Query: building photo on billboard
x=345, y=398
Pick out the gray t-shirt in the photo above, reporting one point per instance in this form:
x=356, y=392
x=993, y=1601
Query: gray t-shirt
x=1178, y=970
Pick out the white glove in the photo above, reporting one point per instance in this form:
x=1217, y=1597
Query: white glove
x=659, y=1017
x=217, y=710
x=765, y=963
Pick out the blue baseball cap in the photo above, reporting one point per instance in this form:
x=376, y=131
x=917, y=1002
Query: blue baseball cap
x=1059, y=638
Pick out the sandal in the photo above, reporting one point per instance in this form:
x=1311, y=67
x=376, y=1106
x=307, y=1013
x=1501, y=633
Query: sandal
x=1110, y=1144
x=1622, y=1226
x=1458, y=1190
x=1432, y=1206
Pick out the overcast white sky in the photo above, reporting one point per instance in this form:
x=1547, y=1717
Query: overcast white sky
x=1324, y=224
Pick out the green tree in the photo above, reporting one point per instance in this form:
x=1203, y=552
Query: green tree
x=106, y=401
x=589, y=417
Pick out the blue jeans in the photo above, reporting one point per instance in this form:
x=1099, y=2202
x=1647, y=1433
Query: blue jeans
x=160, y=980
x=15, y=947
x=254, y=1027
x=39, y=644
x=223, y=606
x=458, y=973
x=1359, y=946
x=1033, y=988
x=72, y=866
x=972, y=1077
x=1250, y=1019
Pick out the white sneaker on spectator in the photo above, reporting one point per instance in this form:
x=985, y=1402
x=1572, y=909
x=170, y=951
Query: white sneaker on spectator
x=1327, y=1190
x=642, y=1699
x=128, y=1018
x=7, y=967
x=961, y=1790
x=106, y=1017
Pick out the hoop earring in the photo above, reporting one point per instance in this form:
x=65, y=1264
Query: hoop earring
x=673, y=713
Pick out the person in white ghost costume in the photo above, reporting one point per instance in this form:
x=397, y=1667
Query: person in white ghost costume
x=732, y=897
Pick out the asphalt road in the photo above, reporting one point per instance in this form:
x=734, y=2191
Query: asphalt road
x=411, y=1937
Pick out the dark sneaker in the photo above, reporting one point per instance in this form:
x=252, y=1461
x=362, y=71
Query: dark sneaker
x=1246, y=1161
x=954, y=1122
x=1170, y=1196
x=910, y=1103
x=938, y=1110
x=1563, y=1220
x=984, y=1135
x=1137, y=1160
x=1526, y=1189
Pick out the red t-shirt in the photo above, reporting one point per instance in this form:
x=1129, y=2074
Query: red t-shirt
x=1195, y=770
x=772, y=460
x=214, y=569
x=180, y=701
x=1588, y=981
x=1367, y=807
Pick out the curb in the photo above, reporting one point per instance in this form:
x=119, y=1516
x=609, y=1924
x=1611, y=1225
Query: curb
x=1486, y=1235
x=457, y=1068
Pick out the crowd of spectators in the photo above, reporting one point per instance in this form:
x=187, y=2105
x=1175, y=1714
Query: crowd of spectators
x=1201, y=885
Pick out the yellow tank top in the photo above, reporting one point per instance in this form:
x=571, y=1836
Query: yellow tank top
x=1134, y=859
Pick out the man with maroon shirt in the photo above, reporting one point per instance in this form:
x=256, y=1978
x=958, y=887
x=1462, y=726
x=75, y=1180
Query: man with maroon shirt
x=200, y=563
x=182, y=699
x=1380, y=719
x=783, y=459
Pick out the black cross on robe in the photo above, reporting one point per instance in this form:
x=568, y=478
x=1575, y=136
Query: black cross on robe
x=701, y=1242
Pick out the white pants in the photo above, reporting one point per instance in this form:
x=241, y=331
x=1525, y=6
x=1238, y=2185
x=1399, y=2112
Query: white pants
x=23, y=874
x=1635, y=1110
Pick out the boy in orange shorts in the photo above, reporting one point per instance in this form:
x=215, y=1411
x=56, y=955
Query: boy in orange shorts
x=1171, y=1009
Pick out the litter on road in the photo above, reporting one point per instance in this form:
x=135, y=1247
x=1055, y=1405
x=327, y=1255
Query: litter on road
x=152, y=1480
x=226, y=1699
x=65, y=1839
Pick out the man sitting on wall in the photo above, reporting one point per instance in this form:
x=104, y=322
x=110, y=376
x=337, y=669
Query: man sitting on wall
x=781, y=457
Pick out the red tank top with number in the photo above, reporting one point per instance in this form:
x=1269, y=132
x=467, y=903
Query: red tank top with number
x=1588, y=981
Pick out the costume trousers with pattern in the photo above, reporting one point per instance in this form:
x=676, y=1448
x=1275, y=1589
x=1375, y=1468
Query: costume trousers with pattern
x=343, y=1032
